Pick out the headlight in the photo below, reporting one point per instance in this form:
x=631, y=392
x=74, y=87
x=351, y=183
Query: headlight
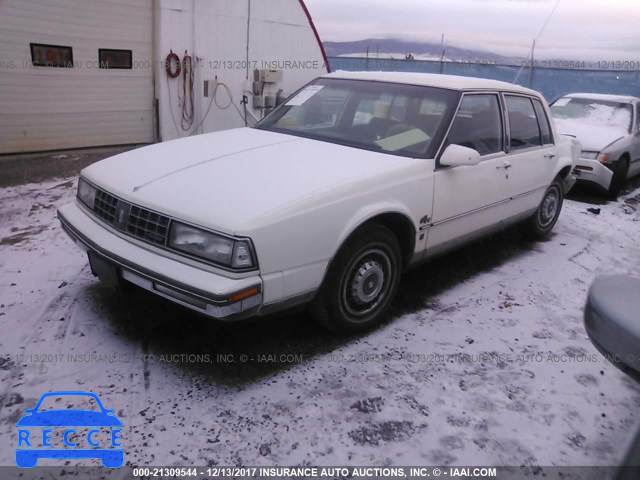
x=86, y=193
x=604, y=158
x=588, y=155
x=210, y=246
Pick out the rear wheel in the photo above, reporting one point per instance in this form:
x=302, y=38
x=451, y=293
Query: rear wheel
x=361, y=282
x=542, y=222
x=619, y=177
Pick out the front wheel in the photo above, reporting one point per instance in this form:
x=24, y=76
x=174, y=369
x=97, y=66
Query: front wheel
x=361, y=282
x=542, y=222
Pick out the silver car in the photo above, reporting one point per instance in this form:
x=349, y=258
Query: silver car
x=608, y=127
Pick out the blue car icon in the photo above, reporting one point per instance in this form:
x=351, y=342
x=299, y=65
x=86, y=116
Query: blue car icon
x=68, y=418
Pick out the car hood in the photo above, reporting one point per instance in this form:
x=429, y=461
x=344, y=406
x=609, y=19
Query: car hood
x=69, y=418
x=592, y=137
x=226, y=180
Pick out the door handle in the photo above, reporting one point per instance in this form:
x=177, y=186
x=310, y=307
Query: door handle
x=550, y=155
x=504, y=165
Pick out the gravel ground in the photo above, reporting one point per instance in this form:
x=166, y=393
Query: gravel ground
x=485, y=360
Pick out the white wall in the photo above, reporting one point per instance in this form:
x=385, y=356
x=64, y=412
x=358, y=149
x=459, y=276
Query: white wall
x=216, y=31
x=46, y=108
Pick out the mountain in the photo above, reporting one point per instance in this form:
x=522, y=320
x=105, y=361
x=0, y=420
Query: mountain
x=383, y=47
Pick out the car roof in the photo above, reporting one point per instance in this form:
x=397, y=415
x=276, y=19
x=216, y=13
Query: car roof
x=604, y=96
x=453, y=82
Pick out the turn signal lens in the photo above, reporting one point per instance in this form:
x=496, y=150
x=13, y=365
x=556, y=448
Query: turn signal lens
x=241, y=255
x=242, y=295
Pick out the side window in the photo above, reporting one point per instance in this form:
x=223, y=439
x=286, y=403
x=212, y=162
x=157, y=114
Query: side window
x=523, y=124
x=543, y=121
x=478, y=124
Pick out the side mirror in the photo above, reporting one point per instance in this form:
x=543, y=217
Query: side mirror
x=456, y=155
x=612, y=323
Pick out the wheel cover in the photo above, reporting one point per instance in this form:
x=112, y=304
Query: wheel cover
x=366, y=282
x=549, y=208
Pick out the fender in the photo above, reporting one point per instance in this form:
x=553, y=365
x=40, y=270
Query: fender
x=368, y=213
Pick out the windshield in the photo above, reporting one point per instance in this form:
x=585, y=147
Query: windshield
x=387, y=117
x=601, y=113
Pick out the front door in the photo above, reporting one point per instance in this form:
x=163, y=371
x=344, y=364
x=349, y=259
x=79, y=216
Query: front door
x=470, y=199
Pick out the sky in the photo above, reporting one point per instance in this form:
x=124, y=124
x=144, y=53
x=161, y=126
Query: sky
x=591, y=30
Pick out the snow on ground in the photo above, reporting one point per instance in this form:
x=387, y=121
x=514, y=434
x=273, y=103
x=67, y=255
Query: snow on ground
x=531, y=389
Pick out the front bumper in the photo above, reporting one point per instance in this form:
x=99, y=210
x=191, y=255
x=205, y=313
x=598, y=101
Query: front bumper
x=200, y=290
x=593, y=171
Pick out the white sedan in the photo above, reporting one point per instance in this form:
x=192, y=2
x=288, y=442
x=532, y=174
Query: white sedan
x=354, y=179
x=608, y=129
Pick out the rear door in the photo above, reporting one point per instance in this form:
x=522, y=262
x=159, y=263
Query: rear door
x=470, y=199
x=530, y=151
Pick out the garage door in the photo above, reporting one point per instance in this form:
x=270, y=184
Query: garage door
x=75, y=73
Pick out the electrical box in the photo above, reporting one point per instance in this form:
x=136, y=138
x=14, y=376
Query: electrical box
x=270, y=76
x=269, y=101
x=209, y=88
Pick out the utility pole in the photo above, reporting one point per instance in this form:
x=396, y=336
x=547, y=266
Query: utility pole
x=533, y=47
x=366, y=63
x=441, y=54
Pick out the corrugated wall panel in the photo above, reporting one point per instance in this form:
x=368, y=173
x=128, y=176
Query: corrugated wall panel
x=50, y=108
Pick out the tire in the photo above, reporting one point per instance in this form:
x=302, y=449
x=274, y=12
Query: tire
x=541, y=223
x=361, y=282
x=619, y=178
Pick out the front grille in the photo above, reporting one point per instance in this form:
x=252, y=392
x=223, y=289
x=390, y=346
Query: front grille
x=147, y=225
x=131, y=219
x=105, y=206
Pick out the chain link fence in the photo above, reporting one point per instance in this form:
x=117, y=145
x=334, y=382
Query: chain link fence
x=551, y=81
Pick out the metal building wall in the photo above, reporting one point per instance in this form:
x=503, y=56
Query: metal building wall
x=215, y=31
x=47, y=108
